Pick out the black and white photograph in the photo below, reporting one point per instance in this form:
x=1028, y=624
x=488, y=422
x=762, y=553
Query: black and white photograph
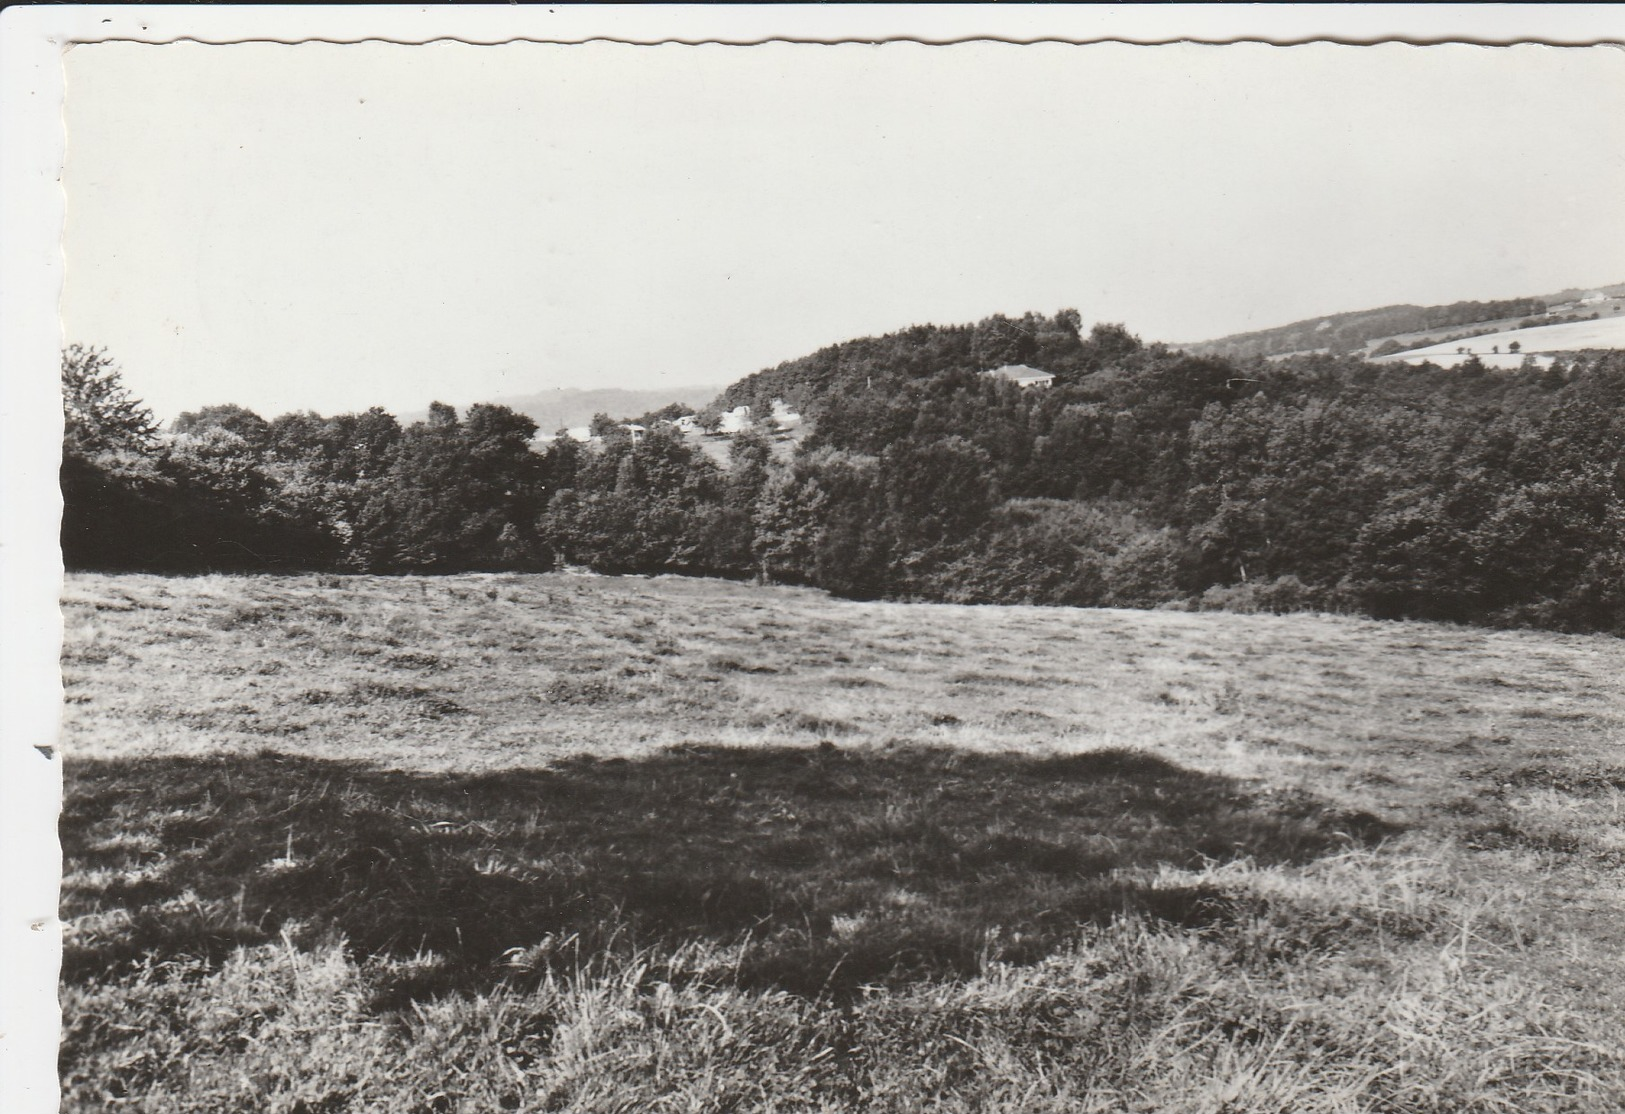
x=835, y=573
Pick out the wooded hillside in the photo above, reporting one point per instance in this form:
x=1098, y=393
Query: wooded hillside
x=1144, y=477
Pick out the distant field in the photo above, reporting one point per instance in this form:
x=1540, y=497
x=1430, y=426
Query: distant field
x=578, y=843
x=1500, y=325
x=1605, y=332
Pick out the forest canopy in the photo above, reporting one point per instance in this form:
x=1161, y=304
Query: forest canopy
x=1145, y=476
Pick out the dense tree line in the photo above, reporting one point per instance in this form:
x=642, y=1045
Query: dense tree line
x=1145, y=476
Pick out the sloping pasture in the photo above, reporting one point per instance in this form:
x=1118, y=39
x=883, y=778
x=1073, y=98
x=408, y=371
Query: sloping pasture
x=1570, y=336
x=583, y=843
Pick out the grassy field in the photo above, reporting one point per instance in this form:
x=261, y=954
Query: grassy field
x=1572, y=336
x=596, y=844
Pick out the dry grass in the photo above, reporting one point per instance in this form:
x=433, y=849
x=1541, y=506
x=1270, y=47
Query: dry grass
x=578, y=843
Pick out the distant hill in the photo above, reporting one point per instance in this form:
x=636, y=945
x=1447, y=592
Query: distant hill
x=1408, y=326
x=563, y=407
x=1510, y=348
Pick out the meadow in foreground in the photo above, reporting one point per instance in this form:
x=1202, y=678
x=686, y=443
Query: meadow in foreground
x=565, y=843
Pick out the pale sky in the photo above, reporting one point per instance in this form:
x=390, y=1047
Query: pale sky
x=332, y=227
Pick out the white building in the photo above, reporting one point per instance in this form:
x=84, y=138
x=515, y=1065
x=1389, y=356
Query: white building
x=784, y=415
x=1022, y=375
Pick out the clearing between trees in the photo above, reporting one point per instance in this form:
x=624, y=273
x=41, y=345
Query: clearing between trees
x=552, y=842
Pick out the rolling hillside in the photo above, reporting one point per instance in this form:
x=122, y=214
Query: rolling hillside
x=1364, y=331
x=1540, y=341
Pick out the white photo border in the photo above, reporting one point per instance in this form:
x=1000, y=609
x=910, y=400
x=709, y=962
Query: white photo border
x=32, y=40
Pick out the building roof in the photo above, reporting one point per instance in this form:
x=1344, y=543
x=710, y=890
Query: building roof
x=1019, y=373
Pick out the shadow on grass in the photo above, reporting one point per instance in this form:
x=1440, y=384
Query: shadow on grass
x=840, y=867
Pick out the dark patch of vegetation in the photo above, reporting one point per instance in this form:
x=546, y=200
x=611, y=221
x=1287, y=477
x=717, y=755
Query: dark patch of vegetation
x=1575, y=778
x=588, y=690
x=843, y=867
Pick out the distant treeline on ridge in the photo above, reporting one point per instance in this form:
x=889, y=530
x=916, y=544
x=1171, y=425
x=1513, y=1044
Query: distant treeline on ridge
x=1144, y=476
x=1360, y=331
